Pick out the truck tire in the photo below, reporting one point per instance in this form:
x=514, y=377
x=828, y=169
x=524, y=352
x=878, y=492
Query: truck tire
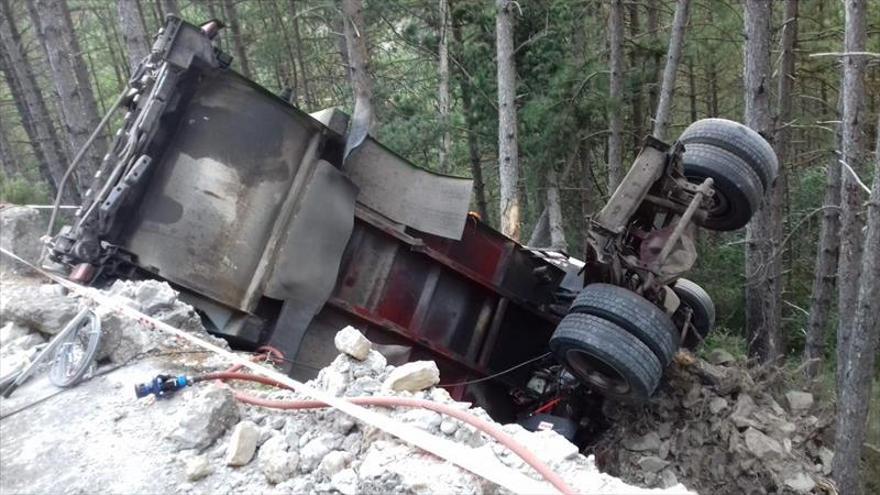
x=695, y=298
x=632, y=312
x=738, y=139
x=738, y=189
x=606, y=358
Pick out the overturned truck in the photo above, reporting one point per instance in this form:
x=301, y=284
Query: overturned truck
x=280, y=228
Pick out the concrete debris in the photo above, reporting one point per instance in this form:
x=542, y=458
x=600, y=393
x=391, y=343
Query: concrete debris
x=799, y=402
x=42, y=308
x=211, y=409
x=197, y=467
x=11, y=331
x=334, y=462
x=242, y=444
x=413, y=377
x=352, y=342
x=727, y=435
x=276, y=462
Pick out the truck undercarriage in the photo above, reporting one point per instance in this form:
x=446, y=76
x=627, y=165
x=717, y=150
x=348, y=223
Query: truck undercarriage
x=252, y=210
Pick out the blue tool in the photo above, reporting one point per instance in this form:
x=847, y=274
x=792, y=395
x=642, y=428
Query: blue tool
x=162, y=386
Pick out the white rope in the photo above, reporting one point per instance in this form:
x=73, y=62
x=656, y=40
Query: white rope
x=479, y=462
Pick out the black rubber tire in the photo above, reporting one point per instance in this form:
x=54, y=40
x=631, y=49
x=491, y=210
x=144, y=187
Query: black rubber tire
x=606, y=358
x=739, y=140
x=702, y=308
x=738, y=190
x=632, y=312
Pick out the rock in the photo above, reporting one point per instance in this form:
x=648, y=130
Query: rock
x=652, y=464
x=242, y=444
x=717, y=405
x=197, y=467
x=153, y=296
x=11, y=331
x=352, y=342
x=669, y=480
x=413, y=377
x=742, y=411
x=314, y=451
x=762, y=446
x=43, y=308
x=826, y=455
x=276, y=463
x=799, y=402
x=345, y=482
x=421, y=418
x=20, y=231
x=24, y=343
x=720, y=357
x=800, y=483
x=334, y=462
x=389, y=467
x=448, y=427
x=648, y=442
x=205, y=418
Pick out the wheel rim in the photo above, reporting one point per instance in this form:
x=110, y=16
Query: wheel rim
x=596, y=372
x=719, y=204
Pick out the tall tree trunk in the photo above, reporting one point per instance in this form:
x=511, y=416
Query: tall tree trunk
x=298, y=48
x=554, y=211
x=170, y=7
x=9, y=161
x=35, y=116
x=692, y=89
x=615, y=94
x=781, y=142
x=827, y=253
x=443, y=98
x=762, y=284
x=472, y=137
x=508, y=152
x=71, y=80
x=673, y=58
x=237, y=40
x=654, y=31
x=635, y=56
x=355, y=27
x=857, y=321
x=134, y=34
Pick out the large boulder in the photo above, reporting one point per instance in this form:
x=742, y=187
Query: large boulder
x=44, y=308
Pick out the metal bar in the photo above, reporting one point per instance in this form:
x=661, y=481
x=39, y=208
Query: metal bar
x=683, y=222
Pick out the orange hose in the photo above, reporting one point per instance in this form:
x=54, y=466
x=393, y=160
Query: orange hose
x=530, y=458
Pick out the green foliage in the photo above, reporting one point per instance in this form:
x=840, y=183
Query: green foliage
x=22, y=191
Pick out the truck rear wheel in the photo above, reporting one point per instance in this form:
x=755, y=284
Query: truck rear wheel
x=738, y=139
x=633, y=313
x=606, y=358
x=702, y=308
x=738, y=190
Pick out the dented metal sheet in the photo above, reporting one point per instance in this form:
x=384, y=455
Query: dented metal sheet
x=428, y=202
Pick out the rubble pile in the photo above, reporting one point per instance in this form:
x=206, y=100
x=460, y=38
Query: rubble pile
x=716, y=429
x=325, y=450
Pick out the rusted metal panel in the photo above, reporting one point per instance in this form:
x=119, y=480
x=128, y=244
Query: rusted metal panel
x=218, y=190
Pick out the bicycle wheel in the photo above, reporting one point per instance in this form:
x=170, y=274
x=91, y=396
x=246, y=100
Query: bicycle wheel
x=74, y=354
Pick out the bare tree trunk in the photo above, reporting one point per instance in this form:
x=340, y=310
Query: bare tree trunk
x=782, y=140
x=826, y=263
x=9, y=161
x=853, y=154
x=654, y=31
x=508, y=152
x=554, y=212
x=170, y=7
x=364, y=119
x=472, y=139
x=71, y=80
x=692, y=87
x=237, y=40
x=298, y=44
x=673, y=58
x=35, y=115
x=857, y=321
x=137, y=45
x=615, y=94
x=762, y=284
x=443, y=99
x=635, y=57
